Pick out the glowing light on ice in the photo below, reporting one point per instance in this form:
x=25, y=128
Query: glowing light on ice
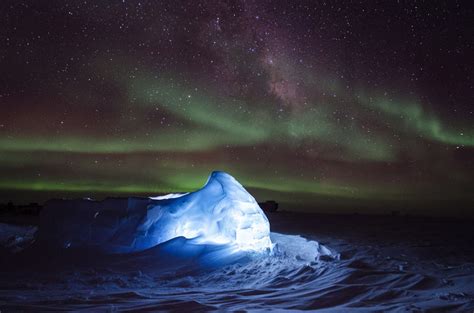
x=169, y=196
x=222, y=212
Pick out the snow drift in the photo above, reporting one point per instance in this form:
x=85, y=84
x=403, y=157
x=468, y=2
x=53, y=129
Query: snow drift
x=222, y=212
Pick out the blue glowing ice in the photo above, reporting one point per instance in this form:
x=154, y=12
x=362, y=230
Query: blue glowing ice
x=222, y=212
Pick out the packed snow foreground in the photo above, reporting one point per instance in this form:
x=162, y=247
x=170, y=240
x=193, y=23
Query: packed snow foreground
x=222, y=212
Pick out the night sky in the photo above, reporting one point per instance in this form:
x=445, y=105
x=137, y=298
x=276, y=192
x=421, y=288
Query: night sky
x=320, y=105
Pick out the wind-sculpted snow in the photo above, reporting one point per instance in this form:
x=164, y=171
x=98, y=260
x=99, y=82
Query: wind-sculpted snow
x=222, y=212
x=402, y=269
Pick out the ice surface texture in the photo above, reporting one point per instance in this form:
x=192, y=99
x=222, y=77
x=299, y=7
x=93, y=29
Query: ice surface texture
x=222, y=212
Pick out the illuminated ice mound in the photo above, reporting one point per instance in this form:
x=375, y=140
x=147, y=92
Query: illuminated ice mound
x=222, y=212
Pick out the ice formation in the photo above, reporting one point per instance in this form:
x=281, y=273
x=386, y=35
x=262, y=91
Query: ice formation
x=221, y=212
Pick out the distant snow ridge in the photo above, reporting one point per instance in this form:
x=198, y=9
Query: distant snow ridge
x=222, y=212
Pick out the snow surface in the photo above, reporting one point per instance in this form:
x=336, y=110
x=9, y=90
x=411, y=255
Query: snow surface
x=16, y=238
x=374, y=264
x=388, y=265
x=222, y=212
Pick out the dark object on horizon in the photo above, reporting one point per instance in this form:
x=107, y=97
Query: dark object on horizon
x=26, y=209
x=7, y=208
x=269, y=206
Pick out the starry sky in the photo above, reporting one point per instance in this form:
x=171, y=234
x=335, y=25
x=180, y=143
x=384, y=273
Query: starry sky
x=321, y=105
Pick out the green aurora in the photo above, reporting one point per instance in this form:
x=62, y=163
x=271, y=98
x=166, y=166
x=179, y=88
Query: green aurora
x=210, y=132
x=153, y=108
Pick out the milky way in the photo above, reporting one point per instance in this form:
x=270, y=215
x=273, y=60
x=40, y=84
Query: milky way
x=319, y=105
